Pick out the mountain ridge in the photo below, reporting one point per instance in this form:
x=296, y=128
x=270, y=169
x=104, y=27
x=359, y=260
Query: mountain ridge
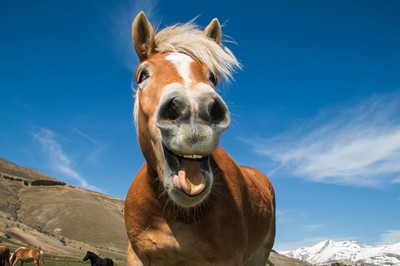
x=330, y=251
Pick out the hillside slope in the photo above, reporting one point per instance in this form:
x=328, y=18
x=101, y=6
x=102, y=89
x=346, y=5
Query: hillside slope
x=38, y=210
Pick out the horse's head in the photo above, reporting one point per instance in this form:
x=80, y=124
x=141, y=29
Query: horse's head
x=88, y=256
x=179, y=115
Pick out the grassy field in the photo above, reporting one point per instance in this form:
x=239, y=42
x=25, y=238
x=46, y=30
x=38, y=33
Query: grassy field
x=49, y=259
x=61, y=261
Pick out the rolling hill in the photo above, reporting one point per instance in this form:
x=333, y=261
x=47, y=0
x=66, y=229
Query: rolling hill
x=40, y=211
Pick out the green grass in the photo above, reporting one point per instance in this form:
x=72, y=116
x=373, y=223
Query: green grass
x=48, y=260
x=8, y=242
x=61, y=261
x=53, y=260
x=65, y=261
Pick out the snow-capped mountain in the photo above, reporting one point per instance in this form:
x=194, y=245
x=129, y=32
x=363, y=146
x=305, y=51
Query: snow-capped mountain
x=331, y=251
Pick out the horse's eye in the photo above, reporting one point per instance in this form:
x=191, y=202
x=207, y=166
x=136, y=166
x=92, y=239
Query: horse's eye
x=142, y=75
x=213, y=78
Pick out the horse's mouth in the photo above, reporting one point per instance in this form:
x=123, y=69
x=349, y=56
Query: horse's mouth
x=190, y=175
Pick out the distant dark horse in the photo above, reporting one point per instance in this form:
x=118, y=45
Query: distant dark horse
x=4, y=256
x=97, y=261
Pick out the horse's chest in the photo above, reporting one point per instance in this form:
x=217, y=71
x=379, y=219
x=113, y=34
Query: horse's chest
x=180, y=244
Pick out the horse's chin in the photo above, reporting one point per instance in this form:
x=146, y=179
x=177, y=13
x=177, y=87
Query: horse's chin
x=188, y=178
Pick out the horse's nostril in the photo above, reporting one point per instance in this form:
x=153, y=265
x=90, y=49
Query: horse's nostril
x=172, y=109
x=217, y=111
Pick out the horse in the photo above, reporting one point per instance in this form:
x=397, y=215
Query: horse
x=191, y=203
x=27, y=255
x=97, y=261
x=4, y=255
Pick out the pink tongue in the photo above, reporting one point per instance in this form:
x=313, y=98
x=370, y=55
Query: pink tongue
x=190, y=178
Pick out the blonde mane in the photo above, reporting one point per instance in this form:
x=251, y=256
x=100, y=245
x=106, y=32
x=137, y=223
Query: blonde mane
x=189, y=39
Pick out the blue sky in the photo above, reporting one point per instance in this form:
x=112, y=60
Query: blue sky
x=316, y=106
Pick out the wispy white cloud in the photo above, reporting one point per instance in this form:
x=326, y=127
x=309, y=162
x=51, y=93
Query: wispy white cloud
x=313, y=227
x=390, y=237
x=58, y=159
x=358, y=145
x=121, y=17
x=286, y=216
x=85, y=136
x=98, y=147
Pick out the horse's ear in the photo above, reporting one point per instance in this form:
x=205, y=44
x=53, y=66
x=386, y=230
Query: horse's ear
x=143, y=36
x=213, y=30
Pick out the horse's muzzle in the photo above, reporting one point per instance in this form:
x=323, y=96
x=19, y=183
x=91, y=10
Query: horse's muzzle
x=191, y=125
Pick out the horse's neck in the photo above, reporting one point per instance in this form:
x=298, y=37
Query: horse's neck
x=224, y=162
x=93, y=260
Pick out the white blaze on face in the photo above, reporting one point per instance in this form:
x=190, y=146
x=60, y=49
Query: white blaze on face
x=182, y=63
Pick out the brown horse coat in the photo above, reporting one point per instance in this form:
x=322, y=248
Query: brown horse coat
x=4, y=256
x=27, y=255
x=230, y=230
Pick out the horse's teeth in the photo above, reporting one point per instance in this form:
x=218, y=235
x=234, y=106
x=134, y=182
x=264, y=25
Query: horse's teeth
x=192, y=156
